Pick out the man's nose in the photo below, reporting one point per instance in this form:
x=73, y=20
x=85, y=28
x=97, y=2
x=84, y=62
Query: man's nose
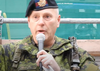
x=41, y=21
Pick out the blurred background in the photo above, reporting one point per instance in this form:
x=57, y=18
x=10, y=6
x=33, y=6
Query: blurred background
x=67, y=8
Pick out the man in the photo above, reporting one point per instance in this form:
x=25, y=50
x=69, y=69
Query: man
x=43, y=17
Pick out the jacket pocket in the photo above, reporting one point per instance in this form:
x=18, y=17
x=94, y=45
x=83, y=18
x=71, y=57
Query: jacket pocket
x=27, y=66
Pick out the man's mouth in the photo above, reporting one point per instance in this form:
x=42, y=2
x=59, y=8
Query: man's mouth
x=41, y=31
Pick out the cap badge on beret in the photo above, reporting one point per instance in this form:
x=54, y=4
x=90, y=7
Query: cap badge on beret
x=41, y=3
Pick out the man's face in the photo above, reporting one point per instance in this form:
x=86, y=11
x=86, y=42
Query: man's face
x=44, y=21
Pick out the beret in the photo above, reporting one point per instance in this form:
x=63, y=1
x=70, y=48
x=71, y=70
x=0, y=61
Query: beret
x=40, y=5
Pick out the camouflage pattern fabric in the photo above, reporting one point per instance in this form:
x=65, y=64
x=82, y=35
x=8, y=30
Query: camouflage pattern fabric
x=57, y=50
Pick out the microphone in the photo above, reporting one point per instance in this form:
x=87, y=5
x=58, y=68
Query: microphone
x=40, y=38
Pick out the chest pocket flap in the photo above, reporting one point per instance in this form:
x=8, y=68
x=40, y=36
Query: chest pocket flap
x=27, y=66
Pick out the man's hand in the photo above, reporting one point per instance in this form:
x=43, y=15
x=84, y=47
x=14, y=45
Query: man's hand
x=47, y=59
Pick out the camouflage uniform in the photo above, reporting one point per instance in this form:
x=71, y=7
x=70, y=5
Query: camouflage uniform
x=58, y=50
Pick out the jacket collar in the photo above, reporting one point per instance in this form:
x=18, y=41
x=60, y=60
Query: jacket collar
x=61, y=45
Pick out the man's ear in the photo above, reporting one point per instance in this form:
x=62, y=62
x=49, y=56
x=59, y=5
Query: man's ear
x=58, y=20
x=29, y=22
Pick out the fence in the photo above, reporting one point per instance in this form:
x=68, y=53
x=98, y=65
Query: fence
x=63, y=20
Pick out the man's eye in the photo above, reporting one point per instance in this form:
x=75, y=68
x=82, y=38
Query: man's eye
x=47, y=16
x=35, y=17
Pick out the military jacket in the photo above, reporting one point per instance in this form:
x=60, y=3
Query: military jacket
x=59, y=50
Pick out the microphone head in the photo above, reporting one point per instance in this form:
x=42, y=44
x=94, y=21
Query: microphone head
x=40, y=36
